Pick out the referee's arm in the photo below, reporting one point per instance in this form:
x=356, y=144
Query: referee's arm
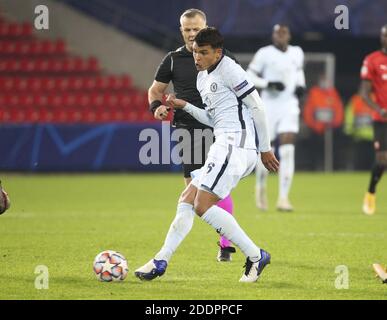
x=157, y=90
x=156, y=93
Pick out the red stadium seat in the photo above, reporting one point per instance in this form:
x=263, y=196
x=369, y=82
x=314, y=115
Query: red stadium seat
x=60, y=46
x=26, y=29
x=60, y=115
x=97, y=99
x=89, y=115
x=25, y=100
x=131, y=116
x=3, y=116
x=18, y=114
x=34, y=83
x=126, y=82
x=14, y=29
x=84, y=100
x=92, y=64
x=40, y=100
x=74, y=114
x=77, y=83
x=7, y=84
x=89, y=83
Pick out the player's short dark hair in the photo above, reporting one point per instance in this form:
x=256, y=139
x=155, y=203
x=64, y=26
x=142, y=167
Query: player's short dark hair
x=192, y=13
x=209, y=36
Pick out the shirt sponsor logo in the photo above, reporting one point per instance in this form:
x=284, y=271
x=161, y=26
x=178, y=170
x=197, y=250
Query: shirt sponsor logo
x=241, y=85
x=213, y=87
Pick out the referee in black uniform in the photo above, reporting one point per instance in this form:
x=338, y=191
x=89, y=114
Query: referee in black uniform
x=179, y=68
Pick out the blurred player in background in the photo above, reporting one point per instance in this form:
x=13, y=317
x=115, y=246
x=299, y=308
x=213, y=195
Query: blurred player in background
x=4, y=200
x=374, y=80
x=277, y=70
x=233, y=108
x=179, y=68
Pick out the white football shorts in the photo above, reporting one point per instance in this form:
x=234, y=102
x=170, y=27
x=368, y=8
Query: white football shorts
x=225, y=166
x=282, y=118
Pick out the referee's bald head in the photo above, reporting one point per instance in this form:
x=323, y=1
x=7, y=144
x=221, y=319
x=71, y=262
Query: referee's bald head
x=192, y=13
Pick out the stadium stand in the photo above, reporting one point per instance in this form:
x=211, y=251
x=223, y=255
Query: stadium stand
x=42, y=82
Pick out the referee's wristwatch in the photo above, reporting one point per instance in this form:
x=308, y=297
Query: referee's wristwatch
x=154, y=105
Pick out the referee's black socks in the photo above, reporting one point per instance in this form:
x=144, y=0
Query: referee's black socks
x=376, y=174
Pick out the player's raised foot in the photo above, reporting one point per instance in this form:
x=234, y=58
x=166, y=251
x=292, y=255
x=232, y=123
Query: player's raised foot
x=153, y=269
x=369, y=203
x=261, y=198
x=254, y=269
x=224, y=253
x=284, y=205
x=381, y=272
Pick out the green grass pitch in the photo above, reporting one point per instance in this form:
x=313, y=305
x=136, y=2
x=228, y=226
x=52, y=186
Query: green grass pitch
x=64, y=221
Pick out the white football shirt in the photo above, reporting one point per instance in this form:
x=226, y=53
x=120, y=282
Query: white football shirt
x=275, y=65
x=222, y=88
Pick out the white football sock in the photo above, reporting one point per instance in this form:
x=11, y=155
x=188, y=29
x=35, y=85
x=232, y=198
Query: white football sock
x=261, y=174
x=225, y=224
x=178, y=230
x=286, y=170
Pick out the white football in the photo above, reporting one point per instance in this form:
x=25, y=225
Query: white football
x=110, y=265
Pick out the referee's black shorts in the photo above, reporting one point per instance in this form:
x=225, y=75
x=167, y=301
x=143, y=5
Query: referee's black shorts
x=380, y=136
x=195, y=149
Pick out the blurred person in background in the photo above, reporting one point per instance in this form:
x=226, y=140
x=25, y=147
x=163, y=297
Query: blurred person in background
x=277, y=70
x=358, y=125
x=179, y=68
x=323, y=107
x=323, y=111
x=374, y=80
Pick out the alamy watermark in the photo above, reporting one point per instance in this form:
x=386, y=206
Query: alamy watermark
x=342, y=20
x=342, y=280
x=42, y=278
x=41, y=21
x=188, y=147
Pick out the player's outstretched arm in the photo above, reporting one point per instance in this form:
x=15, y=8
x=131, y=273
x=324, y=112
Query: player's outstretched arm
x=254, y=102
x=199, y=114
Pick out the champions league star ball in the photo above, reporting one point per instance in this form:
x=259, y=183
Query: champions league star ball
x=110, y=266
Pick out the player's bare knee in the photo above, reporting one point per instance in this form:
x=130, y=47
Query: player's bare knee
x=188, y=195
x=200, y=207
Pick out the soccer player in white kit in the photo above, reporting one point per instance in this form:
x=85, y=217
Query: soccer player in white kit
x=232, y=107
x=277, y=69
